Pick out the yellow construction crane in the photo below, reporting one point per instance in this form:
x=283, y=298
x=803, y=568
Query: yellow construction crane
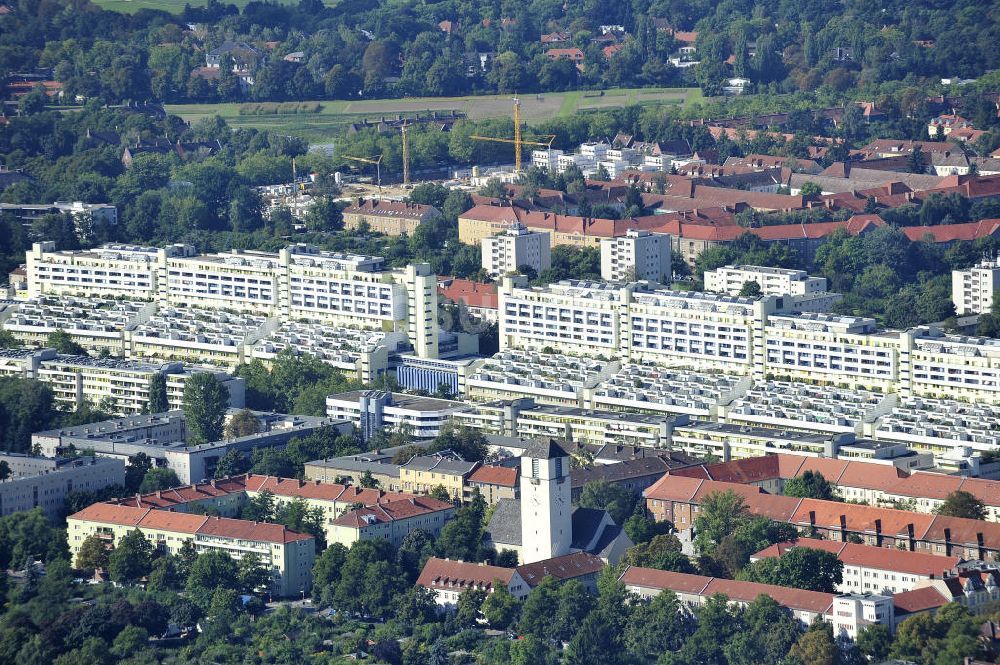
x=518, y=141
x=377, y=161
x=406, y=155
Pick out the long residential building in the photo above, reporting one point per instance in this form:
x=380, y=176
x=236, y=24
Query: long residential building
x=40, y=482
x=873, y=569
x=676, y=498
x=755, y=337
x=163, y=437
x=857, y=481
x=298, y=282
x=286, y=555
x=121, y=386
x=847, y=613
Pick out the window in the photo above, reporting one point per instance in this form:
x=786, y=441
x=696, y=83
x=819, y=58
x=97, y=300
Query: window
x=534, y=468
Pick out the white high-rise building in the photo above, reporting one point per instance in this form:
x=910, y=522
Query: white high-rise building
x=772, y=281
x=517, y=246
x=973, y=290
x=639, y=255
x=546, y=510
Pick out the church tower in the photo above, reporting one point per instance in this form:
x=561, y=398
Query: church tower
x=546, y=511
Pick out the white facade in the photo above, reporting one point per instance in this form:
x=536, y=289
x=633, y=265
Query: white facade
x=639, y=255
x=772, y=281
x=517, y=246
x=375, y=410
x=546, y=508
x=122, y=386
x=973, y=290
x=751, y=337
x=853, y=612
x=298, y=282
x=547, y=160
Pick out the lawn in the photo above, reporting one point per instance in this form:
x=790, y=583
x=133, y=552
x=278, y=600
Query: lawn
x=333, y=115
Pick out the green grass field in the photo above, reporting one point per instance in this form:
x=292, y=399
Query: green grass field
x=333, y=115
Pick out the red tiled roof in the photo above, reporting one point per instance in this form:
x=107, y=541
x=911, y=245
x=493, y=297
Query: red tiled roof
x=609, y=51
x=187, y=523
x=565, y=53
x=674, y=487
x=111, y=514
x=860, y=518
x=918, y=600
x=171, y=521
x=664, y=579
x=565, y=567
x=964, y=532
x=458, y=575
x=747, y=592
x=952, y=232
x=392, y=511
x=472, y=293
x=494, y=475
x=245, y=530
x=382, y=206
x=878, y=558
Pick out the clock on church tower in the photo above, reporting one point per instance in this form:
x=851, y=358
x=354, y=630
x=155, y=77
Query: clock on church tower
x=546, y=511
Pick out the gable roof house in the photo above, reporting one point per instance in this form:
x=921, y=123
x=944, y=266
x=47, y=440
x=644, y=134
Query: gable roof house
x=448, y=579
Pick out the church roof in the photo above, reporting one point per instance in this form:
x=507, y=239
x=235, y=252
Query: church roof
x=504, y=526
x=586, y=524
x=544, y=450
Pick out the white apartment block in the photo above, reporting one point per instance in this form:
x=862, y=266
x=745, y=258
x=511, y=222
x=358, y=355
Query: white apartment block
x=131, y=271
x=772, y=281
x=571, y=316
x=831, y=348
x=375, y=410
x=298, y=282
x=852, y=613
x=973, y=290
x=638, y=255
x=517, y=246
x=120, y=385
x=547, y=160
x=759, y=338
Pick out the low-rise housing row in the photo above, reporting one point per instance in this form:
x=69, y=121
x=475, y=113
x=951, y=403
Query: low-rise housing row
x=286, y=555
x=676, y=498
x=858, y=481
x=848, y=613
x=873, y=569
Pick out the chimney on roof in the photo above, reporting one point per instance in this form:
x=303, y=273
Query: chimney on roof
x=213, y=482
x=878, y=532
x=981, y=546
x=812, y=518
x=910, y=538
x=947, y=541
